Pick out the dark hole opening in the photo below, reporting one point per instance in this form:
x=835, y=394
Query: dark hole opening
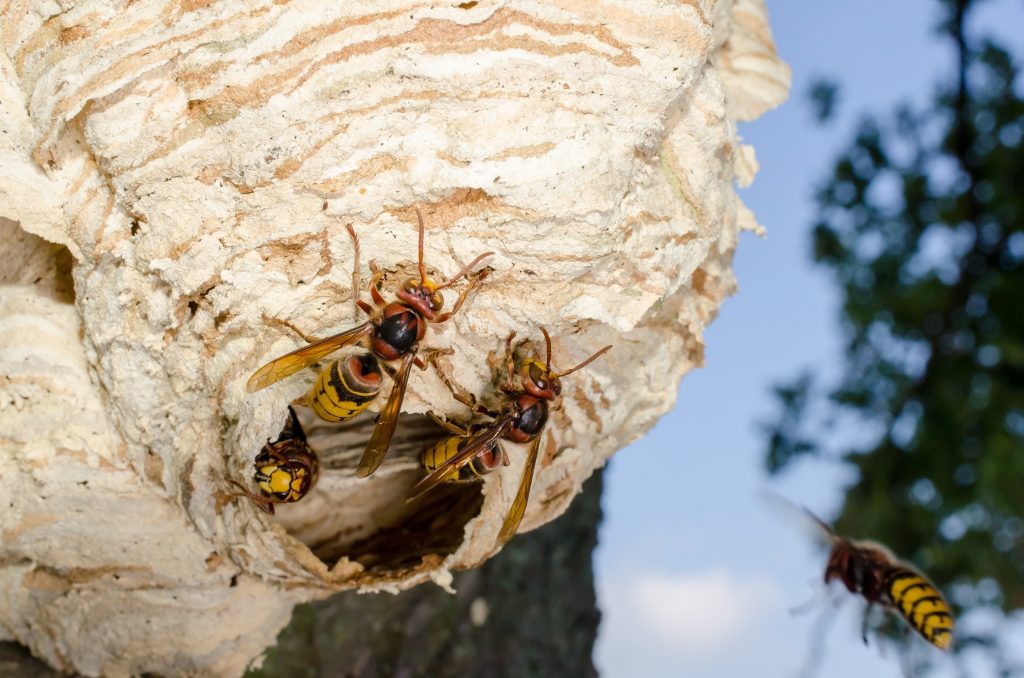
x=35, y=262
x=368, y=520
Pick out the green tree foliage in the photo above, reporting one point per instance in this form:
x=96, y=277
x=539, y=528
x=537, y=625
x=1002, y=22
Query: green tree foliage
x=824, y=96
x=922, y=224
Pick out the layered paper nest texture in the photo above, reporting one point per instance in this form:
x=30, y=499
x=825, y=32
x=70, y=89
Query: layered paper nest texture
x=192, y=166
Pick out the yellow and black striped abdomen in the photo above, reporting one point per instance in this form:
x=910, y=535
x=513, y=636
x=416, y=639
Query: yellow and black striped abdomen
x=486, y=461
x=439, y=453
x=921, y=605
x=346, y=387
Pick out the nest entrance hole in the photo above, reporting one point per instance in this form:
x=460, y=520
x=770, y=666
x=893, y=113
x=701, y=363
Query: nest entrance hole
x=367, y=520
x=35, y=262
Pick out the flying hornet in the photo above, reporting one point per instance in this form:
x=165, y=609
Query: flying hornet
x=871, y=570
x=286, y=469
x=346, y=387
x=521, y=419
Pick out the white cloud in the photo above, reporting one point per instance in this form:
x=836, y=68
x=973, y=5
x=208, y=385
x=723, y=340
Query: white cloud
x=702, y=612
x=657, y=624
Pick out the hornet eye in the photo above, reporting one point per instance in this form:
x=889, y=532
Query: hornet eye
x=538, y=376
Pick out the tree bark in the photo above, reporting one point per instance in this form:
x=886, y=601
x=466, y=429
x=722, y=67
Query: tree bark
x=529, y=611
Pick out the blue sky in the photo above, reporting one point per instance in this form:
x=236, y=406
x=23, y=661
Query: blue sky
x=695, y=573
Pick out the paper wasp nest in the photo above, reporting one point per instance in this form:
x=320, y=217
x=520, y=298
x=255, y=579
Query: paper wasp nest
x=200, y=161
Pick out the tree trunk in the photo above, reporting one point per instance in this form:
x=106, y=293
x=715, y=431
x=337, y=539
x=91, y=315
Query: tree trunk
x=529, y=611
